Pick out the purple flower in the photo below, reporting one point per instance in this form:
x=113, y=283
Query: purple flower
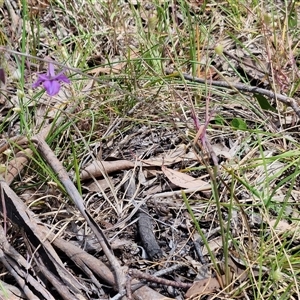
x=50, y=81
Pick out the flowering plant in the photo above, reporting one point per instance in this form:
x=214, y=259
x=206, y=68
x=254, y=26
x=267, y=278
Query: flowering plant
x=51, y=81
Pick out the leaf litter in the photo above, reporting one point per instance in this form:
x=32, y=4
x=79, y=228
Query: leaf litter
x=142, y=163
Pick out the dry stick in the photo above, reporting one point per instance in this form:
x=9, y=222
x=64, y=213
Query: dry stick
x=57, y=167
x=243, y=87
x=20, y=215
x=128, y=288
x=20, y=281
x=150, y=278
x=85, y=261
x=17, y=164
x=75, y=196
x=82, y=259
x=14, y=18
x=135, y=287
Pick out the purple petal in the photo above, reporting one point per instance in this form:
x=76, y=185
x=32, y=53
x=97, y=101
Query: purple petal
x=37, y=83
x=41, y=78
x=52, y=87
x=62, y=77
x=50, y=71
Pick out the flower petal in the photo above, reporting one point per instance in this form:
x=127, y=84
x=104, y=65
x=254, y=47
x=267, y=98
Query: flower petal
x=62, y=77
x=37, y=83
x=52, y=87
x=41, y=78
x=50, y=71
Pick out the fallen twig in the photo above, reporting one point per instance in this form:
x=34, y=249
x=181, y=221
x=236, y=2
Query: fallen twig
x=151, y=278
x=291, y=102
x=62, y=174
x=88, y=263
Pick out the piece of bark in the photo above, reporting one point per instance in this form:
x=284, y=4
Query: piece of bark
x=95, y=265
x=89, y=264
x=146, y=234
x=18, y=268
x=17, y=164
x=64, y=291
x=100, y=168
x=20, y=215
x=144, y=292
x=11, y=292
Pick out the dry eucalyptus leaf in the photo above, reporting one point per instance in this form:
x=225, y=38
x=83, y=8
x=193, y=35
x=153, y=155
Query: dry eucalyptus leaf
x=171, y=157
x=185, y=181
x=221, y=149
x=94, y=186
x=214, y=245
x=204, y=286
x=97, y=168
x=281, y=226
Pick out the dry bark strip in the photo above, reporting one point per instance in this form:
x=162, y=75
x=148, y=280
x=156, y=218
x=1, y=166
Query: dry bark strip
x=89, y=264
x=119, y=277
x=11, y=292
x=20, y=215
x=17, y=267
x=99, y=168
